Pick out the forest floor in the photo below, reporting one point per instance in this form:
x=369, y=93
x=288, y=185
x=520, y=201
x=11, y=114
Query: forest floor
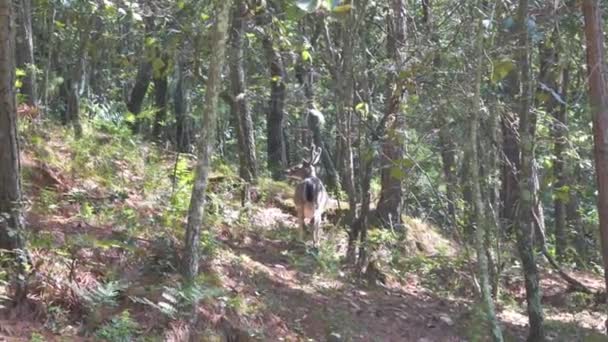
x=105, y=217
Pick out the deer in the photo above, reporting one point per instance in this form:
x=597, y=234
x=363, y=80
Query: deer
x=310, y=196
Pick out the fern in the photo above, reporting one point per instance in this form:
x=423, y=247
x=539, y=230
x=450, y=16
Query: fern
x=176, y=300
x=120, y=328
x=104, y=294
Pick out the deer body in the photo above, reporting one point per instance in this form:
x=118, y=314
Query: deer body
x=310, y=196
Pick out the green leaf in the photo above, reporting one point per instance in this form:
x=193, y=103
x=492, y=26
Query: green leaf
x=362, y=108
x=150, y=41
x=342, y=9
x=306, y=56
x=130, y=118
x=502, y=68
x=276, y=79
x=19, y=72
x=562, y=193
x=397, y=172
x=406, y=163
x=158, y=65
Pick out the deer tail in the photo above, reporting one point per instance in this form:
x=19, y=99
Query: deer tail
x=310, y=189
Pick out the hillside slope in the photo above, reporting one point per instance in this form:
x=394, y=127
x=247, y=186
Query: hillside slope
x=106, y=217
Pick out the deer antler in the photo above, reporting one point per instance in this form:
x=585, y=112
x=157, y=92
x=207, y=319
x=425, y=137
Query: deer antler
x=316, y=154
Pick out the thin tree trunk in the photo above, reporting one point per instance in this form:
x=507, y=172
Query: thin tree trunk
x=393, y=149
x=479, y=217
x=560, y=169
x=183, y=125
x=526, y=223
x=206, y=142
x=25, y=51
x=161, y=95
x=277, y=159
x=344, y=116
x=510, y=151
x=447, y=146
x=74, y=79
x=73, y=102
x=49, y=56
x=11, y=235
x=448, y=164
x=240, y=108
x=598, y=98
x=142, y=80
x=314, y=123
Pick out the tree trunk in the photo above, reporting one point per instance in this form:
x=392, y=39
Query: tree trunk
x=183, y=124
x=510, y=150
x=240, y=108
x=448, y=164
x=479, y=216
x=142, y=81
x=560, y=168
x=72, y=113
x=393, y=148
x=598, y=98
x=25, y=51
x=344, y=115
x=552, y=94
x=277, y=159
x=160, y=97
x=49, y=56
x=526, y=223
x=11, y=236
x=206, y=142
x=447, y=146
x=314, y=124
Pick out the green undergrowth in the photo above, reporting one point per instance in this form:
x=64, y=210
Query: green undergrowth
x=107, y=242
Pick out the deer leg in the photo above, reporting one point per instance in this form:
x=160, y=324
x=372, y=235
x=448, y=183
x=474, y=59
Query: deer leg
x=316, y=222
x=301, y=224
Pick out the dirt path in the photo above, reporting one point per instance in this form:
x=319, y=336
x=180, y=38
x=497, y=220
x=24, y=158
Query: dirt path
x=305, y=304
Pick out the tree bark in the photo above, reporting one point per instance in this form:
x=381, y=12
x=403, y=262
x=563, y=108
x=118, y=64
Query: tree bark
x=448, y=165
x=314, y=123
x=206, y=142
x=525, y=217
x=510, y=150
x=559, y=130
x=11, y=235
x=240, y=108
x=142, y=80
x=393, y=148
x=598, y=98
x=160, y=96
x=25, y=51
x=479, y=216
x=277, y=159
x=183, y=123
x=140, y=88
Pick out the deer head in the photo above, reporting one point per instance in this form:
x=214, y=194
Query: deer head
x=307, y=168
